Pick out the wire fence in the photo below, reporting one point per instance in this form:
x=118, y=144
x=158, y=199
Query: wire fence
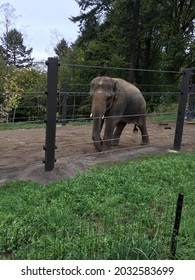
x=24, y=147
x=78, y=106
x=76, y=111
x=161, y=90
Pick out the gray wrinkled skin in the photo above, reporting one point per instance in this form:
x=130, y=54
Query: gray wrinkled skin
x=116, y=102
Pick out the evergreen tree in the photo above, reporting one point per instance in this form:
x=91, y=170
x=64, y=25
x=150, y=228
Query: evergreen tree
x=141, y=34
x=146, y=34
x=16, y=53
x=92, y=14
x=61, y=48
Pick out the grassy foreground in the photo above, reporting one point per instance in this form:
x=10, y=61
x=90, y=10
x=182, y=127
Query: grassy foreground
x=119, y=211
x=13, y=126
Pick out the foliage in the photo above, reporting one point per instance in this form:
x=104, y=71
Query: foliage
x=160, y=36
x=115, y=36
x=122, y=211
x=16, y=53
x=2, y=72
x=11, y=100
x=61, y=48
x=163, y=39
x=164, y=33
x=16, y=82
x=12, y=49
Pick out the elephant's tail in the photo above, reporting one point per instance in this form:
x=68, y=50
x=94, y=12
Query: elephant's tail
x=135, y=129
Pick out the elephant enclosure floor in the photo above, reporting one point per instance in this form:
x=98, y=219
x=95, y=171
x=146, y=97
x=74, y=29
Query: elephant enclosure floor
x=21, y=151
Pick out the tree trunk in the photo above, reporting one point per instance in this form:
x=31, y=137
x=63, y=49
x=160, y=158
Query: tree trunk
x=133, y=41
x=147, y=53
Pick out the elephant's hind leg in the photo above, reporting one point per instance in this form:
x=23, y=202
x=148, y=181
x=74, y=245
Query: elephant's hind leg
x=117, y=133
x=145, y=137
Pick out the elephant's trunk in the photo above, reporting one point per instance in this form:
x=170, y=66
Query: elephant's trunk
x=98, y=112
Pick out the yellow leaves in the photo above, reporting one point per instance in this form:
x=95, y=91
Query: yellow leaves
x=11, y=81
x=24, y=80
x=18, y=81
x=12, y=100
x=12, y=90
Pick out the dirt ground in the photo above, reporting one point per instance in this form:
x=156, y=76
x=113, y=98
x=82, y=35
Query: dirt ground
x=21, y=151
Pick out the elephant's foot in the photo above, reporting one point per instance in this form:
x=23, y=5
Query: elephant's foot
x=98, y=148
x=106, y=145
x=98, y=145
x=106, y=148
x=115, y=142
x=145, y=140
x=102, y=145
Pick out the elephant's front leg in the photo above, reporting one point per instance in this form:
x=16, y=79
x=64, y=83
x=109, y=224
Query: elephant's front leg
x=117, y=133
x=108, y=132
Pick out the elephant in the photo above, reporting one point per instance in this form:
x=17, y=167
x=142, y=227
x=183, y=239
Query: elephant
x=116, y=102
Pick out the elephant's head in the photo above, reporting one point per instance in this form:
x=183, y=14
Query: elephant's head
x=103, y=93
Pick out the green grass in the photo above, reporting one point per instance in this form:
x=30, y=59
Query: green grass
x=162, y=118
x=12, y=126
x=121, y=211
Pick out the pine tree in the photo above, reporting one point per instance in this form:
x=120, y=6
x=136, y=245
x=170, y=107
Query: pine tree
x=61, y=48
x=16, y=53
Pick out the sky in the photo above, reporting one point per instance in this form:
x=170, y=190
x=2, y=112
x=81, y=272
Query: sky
x=44, y=23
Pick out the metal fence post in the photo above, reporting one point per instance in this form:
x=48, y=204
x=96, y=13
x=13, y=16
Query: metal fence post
x=191, y=107
x=64, y=104
x=181, y=109
x=176, y=225
x=52, y=76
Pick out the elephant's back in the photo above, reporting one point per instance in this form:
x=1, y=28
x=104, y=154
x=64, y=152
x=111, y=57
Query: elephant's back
x=133, y=96
x=125, y=86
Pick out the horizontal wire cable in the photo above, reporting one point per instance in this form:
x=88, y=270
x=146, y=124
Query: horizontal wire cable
x=95, y=153
x=118, y=116
x=43, y=62
x=21, y=165
x=76, y=93
x=112, y=151
x=87, y=119
x=22, y=92
x=83, y=93
x=120, y=68
x=30, y=149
